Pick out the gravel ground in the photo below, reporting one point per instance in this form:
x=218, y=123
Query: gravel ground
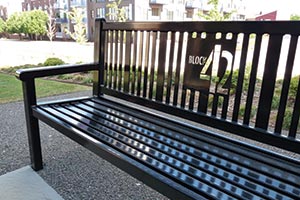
x=74, y=172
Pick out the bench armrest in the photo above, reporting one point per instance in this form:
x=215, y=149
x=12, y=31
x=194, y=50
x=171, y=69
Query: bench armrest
x=38, y=72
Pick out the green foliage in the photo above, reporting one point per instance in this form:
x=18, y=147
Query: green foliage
x=275, y=101
x=53, y=61
x=234, y=79
x=30, y=22
x=2, y=25
x=36, y=22
x=48, y=62
x=288, y=119
x=294, y=86
x=118, y=13
x=215, y=14
x=11, y=88
x=79, y=34
x=295, y=17
x=83, y=78
x=292, y=89
x=16, y=23
x=211, y=101
x=252, y=113
x=12, y=70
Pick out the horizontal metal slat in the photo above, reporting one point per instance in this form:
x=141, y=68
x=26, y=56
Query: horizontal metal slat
x=148, y=176
x=184, y=152
x=229, y=148
x=172, y=172
x=202, y=165
x=242, y=171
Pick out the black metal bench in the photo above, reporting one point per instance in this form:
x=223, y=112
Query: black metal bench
x=154, y=83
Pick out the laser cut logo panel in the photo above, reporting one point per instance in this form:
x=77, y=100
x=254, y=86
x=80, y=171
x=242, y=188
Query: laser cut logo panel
x=209, y=63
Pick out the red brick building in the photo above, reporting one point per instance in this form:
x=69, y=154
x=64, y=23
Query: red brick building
x=265, y=17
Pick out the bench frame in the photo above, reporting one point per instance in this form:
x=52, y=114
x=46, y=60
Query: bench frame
x=260, y=132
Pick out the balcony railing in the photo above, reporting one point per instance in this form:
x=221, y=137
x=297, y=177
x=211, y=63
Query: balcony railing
x=78, y=3
x=61, y=20
x=159, y=2
x=193, y=4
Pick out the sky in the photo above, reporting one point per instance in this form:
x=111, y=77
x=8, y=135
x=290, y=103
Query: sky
x=291, y=6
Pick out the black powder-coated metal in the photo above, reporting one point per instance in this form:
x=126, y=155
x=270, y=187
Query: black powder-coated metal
x=201, y=77
x=39, y=72
x=205, y=164
x=286, y=84
x=32, y=125
x=186, y=69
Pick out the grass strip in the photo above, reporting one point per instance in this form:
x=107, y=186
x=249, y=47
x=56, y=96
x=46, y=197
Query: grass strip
x=11, y=88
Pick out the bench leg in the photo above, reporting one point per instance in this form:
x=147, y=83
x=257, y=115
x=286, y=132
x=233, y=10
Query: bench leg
x=32, y=126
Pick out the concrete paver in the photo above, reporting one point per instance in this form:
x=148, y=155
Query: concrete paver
x=25, y=183
x=15, y=52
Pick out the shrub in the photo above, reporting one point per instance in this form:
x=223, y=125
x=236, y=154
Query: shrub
x=252, y=113
x=294, y=86
x=275, y=101
x=53, y=61
x=288, y=119
x=234, y=79
x=12, y=70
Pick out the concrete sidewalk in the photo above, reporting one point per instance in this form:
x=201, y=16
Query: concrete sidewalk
x=16, y=52
x=23, y=184
x=72, y=171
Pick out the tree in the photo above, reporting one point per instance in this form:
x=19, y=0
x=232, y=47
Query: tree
x=16, y=23
x=79, y=34
x=51, y=25
x=117, y=12
x=215, y=14
x=2, y=26
x=295, y=17
x=36, y=23
x=32, y=23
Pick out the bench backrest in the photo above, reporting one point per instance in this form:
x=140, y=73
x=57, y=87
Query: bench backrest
x=235, y=76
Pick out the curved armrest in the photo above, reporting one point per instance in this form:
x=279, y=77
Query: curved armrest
x=38, y=72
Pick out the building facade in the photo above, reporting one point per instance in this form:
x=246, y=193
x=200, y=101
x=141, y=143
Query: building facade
x=59, y=10
x=62, y=7
x=3, y=12
x=28, y=5
x=135, y=10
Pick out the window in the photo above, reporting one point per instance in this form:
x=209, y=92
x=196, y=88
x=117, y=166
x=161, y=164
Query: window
x=170, y=15
x=92, y=14
x=155, y=12
x=189, y=14
x=128, y=12
x=112, y=15
x=100, y=12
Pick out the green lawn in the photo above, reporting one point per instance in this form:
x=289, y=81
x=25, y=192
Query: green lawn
x=11, y=88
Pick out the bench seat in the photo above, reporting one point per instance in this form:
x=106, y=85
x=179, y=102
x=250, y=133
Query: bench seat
x=166, y=153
